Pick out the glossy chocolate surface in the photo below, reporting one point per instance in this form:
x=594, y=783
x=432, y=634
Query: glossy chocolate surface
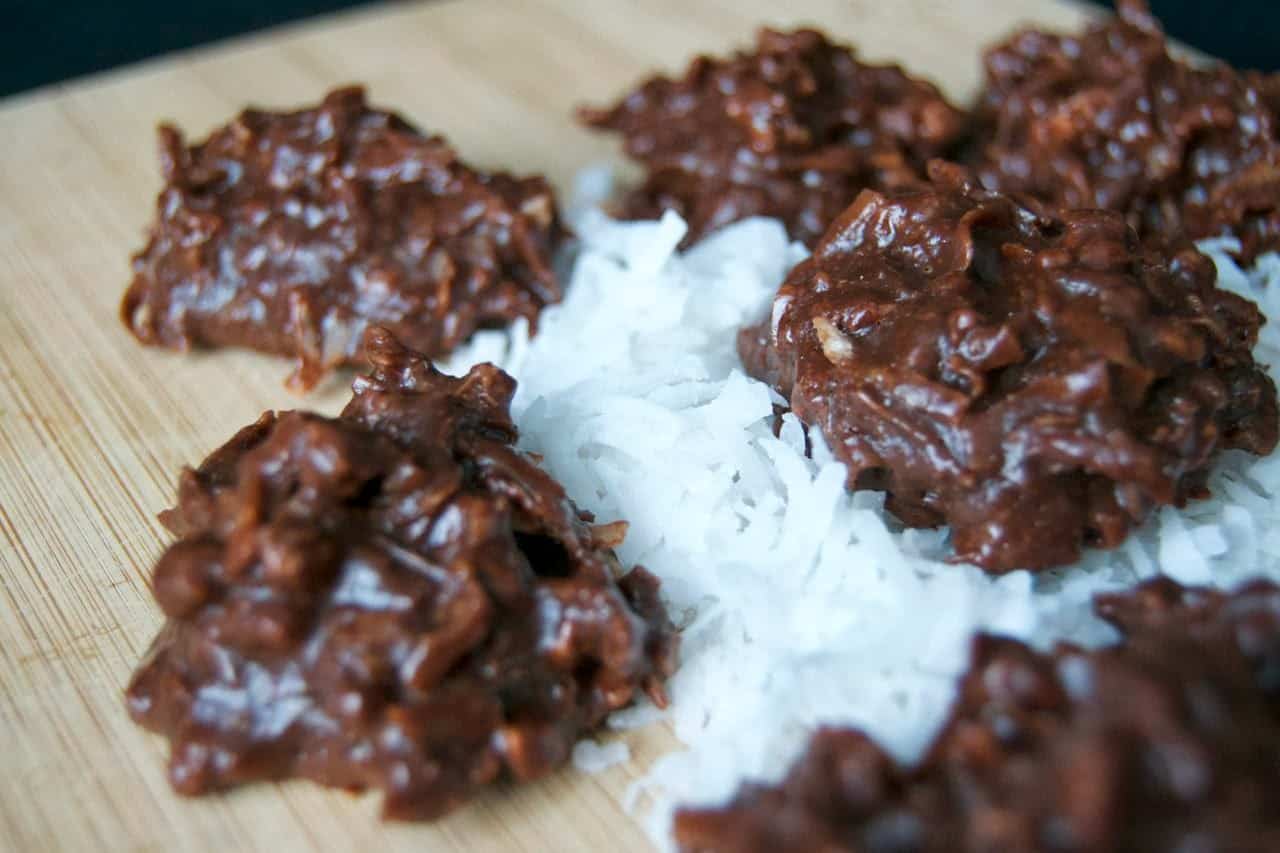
x=793, y=130
x=1040, y=382
x=291, y=233
x=1168, y=741
x=1108, y=118
x=395, y=599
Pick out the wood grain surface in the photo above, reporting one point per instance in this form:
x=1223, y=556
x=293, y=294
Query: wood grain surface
x=94, y=428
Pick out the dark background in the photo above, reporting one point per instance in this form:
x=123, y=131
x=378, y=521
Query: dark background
x=43, y=41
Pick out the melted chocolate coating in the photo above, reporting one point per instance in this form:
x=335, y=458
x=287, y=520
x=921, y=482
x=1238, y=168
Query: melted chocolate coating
x=1109, y=119
x=1169, y=741
x=395, y=598
x=290, y=233
x=794, y=131
x=1037, y=382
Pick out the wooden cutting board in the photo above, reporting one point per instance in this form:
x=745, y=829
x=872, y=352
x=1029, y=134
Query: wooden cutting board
x=94, y=428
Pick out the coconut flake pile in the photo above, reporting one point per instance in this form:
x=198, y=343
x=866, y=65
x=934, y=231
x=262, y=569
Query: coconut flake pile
x=801, y=604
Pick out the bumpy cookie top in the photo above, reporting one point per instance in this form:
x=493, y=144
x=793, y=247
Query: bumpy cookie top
x=1109, y=119
x=1039, y=382
x=291, y=233
x=792, y=130
x=395, y=598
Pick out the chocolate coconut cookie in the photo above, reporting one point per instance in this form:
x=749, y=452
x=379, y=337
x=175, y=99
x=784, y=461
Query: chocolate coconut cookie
x=792, y=130
x=290, y=233
x=395, y=598
x=1038, y=382
x=1169, y=741
x=1110, y=119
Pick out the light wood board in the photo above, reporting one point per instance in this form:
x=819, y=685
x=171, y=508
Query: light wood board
x=94, y=428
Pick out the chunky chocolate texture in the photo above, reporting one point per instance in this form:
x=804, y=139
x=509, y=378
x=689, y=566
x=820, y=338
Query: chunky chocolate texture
x=1039, y=382
x=1169, y=741
x=1109, y=119
x=290, y=233
x=793, y=130
x=395, y=598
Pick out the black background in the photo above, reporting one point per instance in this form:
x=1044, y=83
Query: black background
x=1246, y=33
x=44, y=41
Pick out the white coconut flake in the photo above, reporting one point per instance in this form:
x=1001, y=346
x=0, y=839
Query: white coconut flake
x=592, y=757
x=802, y=605
x=504, y=347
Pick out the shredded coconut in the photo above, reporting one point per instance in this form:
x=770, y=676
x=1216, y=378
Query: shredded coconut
x=592, y=757
x=802, y=604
